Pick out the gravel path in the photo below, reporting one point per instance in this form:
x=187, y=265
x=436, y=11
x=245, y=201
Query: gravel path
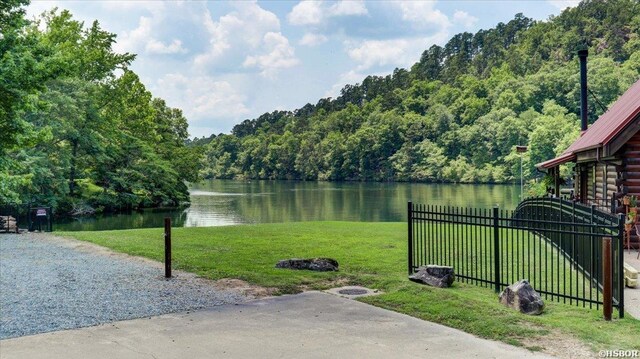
x=48, y=283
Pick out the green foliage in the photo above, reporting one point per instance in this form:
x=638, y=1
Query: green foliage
x=457, y=115
x=81, y=129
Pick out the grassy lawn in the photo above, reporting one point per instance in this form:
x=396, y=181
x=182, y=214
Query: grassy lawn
x=370, y=254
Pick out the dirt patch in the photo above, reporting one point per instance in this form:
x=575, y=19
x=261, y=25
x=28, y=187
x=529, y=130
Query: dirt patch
x=244, y=288
x=559, y=345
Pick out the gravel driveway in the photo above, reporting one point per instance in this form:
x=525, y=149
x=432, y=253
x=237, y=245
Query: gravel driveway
x=48, y=283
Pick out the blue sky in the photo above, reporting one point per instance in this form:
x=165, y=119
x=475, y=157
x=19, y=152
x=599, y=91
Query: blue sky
x=223, y=62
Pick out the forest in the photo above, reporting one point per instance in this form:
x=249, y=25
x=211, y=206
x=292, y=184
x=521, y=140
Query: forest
x=78, y=130
x=456, y=115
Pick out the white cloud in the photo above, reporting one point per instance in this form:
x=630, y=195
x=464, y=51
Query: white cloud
x=423, y=14
x=278, y=55
x=310, y=39
x=306, y=12
x=430, y=26
x=563, y=4
x=395, y=52
x=348, y=7
x=310, y=12
x=157, y=47
x=156, y=7
x=463, y=18
x=249, y=36
x=378, y=52
x=142, y=39
x=351, y=77
x=202, y=97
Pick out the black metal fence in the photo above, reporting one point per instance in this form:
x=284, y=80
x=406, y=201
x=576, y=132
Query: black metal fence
x=11, y=216
x=16, y=217
x=40, y=219
x=555, y=244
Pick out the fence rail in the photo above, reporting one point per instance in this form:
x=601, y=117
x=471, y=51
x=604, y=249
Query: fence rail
x=555, y=244
x=14, y=217
x=10, y=217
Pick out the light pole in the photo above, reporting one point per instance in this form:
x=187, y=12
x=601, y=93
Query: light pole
x=521, y=150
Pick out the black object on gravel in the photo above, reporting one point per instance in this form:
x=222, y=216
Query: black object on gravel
x=47, y=285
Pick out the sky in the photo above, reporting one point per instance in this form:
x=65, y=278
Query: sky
x=224, y=62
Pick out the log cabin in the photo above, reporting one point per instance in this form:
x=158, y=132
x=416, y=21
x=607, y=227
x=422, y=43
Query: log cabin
x=606, y=157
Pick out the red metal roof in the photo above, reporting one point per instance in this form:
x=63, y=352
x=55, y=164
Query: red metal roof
x=610, y=124
x=563, y=158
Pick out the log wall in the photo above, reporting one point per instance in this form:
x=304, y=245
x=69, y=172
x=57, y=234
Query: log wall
x=630, y=182
x=613, y=178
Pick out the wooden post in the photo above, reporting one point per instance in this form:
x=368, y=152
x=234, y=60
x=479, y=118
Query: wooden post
x=167, y=247
x=620, y=265
x=607, y=277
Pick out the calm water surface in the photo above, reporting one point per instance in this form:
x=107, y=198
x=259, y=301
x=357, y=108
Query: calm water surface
x=226, y=202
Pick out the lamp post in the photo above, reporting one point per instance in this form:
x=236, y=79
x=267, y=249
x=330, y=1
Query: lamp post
x=521, y=150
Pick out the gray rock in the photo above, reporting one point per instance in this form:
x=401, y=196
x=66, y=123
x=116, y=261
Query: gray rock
x=523, y=297
x=314, y=264
x=433, y=275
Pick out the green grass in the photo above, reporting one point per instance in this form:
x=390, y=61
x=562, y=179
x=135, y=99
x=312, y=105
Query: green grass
x=372, y=255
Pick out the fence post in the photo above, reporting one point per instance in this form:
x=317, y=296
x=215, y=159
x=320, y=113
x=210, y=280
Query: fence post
x=17, y=220
x=607, y=278
x=410, y=237
x=50, y=218
x=496, y=249
x=620, y=265
x=167, y=247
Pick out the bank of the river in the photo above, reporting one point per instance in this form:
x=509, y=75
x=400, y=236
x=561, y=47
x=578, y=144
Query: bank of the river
x=228, y=202
x=373, y=255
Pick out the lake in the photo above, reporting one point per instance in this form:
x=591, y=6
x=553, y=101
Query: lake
x=227, y=202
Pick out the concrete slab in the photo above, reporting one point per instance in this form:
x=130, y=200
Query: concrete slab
x=309, y=325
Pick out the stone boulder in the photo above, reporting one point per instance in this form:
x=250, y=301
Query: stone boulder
x=314, y=264
x=523, y=297
x=433, y=275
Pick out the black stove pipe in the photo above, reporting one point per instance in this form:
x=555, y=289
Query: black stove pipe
x=582, y=54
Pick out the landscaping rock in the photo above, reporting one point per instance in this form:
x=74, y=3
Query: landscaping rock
x=314, y=264
x=433, y=275
x=523, y=297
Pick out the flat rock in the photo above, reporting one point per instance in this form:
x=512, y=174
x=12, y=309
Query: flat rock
x=434, y=275
x=523, y=297
x=314, y=264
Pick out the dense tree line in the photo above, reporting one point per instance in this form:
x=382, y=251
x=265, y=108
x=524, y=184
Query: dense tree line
x=79, y=131
x=456, y=115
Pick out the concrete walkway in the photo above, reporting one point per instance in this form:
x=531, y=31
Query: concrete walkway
x=632, y=295
x=308, y=325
